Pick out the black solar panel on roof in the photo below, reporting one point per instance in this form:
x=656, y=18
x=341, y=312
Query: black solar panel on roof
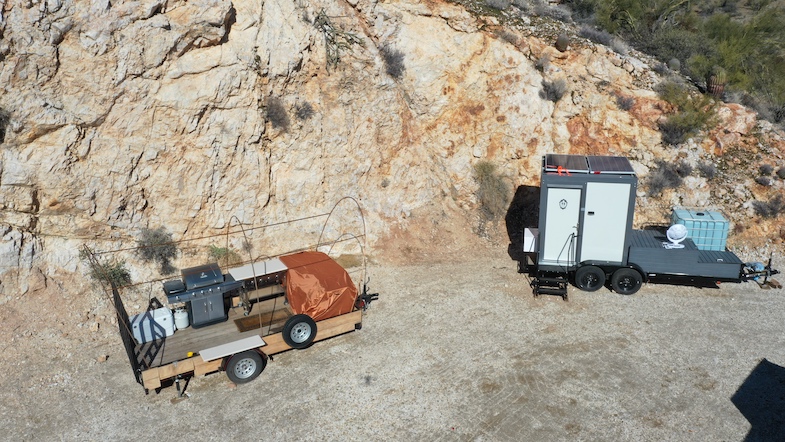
x=576, y=163
x=603, y=164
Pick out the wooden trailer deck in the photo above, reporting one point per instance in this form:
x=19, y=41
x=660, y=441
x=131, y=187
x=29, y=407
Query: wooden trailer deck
x=168, y=357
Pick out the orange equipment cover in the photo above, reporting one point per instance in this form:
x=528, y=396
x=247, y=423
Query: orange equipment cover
x=318, y=286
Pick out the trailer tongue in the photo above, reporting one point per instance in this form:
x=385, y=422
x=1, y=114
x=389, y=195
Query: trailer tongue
x=585, y=235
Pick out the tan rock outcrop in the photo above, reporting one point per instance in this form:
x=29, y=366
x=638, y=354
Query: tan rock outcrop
x=153, y=113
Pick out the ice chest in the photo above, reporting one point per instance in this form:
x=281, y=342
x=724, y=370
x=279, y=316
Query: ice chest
x=707, y=229
x=152, y=325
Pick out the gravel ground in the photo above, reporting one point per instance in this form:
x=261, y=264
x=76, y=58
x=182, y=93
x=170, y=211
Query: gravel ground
x=455, y=352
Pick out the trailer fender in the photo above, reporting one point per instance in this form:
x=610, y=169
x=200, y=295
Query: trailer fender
x=644, y=275
x=265, y=356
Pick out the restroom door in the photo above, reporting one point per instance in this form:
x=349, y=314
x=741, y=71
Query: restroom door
x=561, y=226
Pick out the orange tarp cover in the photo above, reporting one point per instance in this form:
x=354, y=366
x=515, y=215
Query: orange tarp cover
x=318, y=286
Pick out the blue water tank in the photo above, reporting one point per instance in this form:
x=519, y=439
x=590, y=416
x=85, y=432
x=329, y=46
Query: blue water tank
x=707, y=229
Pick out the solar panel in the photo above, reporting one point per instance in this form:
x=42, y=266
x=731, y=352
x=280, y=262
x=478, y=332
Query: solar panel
x=616, y=165
x=567, y=163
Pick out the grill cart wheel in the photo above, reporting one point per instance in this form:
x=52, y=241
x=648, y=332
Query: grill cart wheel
x=589, y=278
x=245, y=367
x=626, y=281
x=299, y=331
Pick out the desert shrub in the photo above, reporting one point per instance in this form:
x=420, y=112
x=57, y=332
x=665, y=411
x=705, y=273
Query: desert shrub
x=106, y=271
x=777, y=111
x=693, y=113
x=523, y=5
x=624, y=103
x=766, y=107
x=747, y=42
x=5, y=118
x=771, y=208
x=553, y=90
x=112, y=272
x=596, y=35
x=677, y=129
x=674, y=44
x=498, y=4
x=582, y=10
x=492, y=191
x=763, y=181
x=619, y=46
x=766, y=169
x=304, y=111
x=393, y=61
x=683, y=168
x=276, y=113
x=707, y=170
x=557, y=12
x=604, y=38
x=729, y=6
x=224, y=255
x=781, y=173
x=660, y=68
x=757, y=5
x=336, y=39
x=665, y=176
x=156, y=245
x=543, y=63
x=509, y=36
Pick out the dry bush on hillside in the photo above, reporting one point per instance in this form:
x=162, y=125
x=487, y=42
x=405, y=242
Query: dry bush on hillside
x=276, y=113
x=553, y=90
x=156, y=245
x=393, y=61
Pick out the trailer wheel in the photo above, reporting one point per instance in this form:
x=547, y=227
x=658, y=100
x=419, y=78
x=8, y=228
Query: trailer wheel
x=589, y=278
x=626, y=281
x=245, y=367
x=299, y=331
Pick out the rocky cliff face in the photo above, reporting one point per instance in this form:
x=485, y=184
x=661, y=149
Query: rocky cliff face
x=205, y=115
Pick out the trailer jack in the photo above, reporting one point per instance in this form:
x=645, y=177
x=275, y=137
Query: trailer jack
x=761, y=274
x=181, y=394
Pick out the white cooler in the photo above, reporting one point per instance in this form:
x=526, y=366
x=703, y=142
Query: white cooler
x=152, y=325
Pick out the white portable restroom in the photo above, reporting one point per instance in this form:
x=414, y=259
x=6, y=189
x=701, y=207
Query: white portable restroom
x=586, y=211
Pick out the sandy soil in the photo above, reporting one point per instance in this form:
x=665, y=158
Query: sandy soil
x=457, y=349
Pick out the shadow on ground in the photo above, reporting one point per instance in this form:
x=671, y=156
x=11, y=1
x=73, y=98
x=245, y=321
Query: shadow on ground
x=761, y=399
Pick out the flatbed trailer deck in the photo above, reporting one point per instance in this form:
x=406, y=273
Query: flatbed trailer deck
x=236, y=321
x=168, y=358
x=648, y=254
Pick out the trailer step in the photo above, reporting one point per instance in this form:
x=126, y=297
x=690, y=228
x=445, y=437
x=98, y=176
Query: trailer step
x=549, y=285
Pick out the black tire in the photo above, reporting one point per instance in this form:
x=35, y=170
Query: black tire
x=589, y=278
x=299, y=331
x=626, y=281
x=245, y=367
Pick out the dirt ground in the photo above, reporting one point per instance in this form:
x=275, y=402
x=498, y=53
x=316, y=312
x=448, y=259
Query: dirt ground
x=456, y=350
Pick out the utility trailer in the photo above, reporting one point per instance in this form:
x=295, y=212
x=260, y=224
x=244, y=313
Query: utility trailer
x=585, y=236
x=234, y=322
